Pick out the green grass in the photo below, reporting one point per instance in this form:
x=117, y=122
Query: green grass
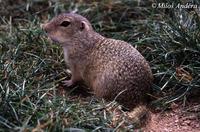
x=31, y=69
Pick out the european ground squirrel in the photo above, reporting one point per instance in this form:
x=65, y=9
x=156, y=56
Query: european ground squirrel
x=113, y=69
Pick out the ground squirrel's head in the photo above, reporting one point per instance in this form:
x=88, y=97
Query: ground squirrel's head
x=64, y=26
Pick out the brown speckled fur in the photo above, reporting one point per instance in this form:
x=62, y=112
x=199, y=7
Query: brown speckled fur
x=111, y=68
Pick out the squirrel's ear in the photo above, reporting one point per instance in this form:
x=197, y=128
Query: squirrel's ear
x=84, y=26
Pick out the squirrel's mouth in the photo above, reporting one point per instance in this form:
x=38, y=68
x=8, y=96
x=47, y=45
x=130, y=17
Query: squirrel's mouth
x=52, y=39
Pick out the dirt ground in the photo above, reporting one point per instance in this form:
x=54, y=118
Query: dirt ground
x=179, y=119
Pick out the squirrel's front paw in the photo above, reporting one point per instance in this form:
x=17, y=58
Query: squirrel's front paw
x=68, y=83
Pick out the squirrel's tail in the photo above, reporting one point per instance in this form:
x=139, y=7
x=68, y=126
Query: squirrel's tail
x=139, y=116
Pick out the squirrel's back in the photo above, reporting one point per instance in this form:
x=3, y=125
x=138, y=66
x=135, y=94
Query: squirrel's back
x=118, y=71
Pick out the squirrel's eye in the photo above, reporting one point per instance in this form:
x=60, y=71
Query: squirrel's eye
x=65, y=23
